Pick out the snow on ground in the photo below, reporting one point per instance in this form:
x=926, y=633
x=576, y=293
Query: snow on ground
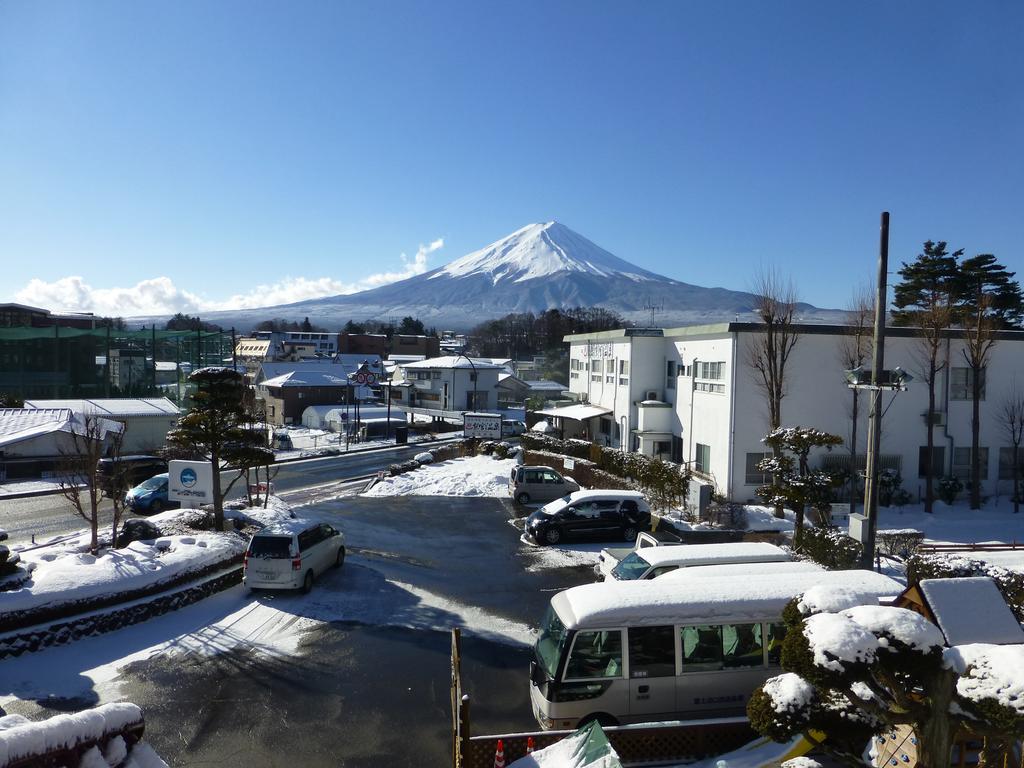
x=308, y=442
x=562, y=555
x=471, y=476
x=20, y=487
x=995, y=521
x=65, y=571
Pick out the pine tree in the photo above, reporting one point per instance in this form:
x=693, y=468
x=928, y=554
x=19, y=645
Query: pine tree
x=987, y=300
x=924, y=299
x=216, y=429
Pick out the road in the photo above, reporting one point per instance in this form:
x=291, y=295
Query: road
x=366, y=683
x=41, y=518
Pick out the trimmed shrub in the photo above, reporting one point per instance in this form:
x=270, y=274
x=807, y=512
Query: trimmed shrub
x=830, y=548
x=949, y=488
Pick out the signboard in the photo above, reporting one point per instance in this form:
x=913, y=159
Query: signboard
x=569, y=464
x=190, y=482
x=485, y=425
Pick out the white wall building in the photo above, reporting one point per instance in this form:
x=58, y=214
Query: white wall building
x=446, y=387
x=146, y=420
x=690, y=395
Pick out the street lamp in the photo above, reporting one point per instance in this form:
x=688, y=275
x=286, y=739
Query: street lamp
x=862, y=527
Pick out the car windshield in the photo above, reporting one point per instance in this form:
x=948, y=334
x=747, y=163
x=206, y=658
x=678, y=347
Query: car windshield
x=270, y=546
x=153, y=484
x=550, y=642
x=632, y=566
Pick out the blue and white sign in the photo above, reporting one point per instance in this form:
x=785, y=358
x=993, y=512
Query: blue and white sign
x=190, y=482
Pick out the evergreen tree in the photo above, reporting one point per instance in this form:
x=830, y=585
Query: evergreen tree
x=924, y=299
x=793, y=483
x=217, y=429
x=987, y=300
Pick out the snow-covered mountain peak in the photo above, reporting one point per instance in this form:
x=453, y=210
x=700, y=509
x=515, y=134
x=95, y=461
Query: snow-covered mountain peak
x=541, y=250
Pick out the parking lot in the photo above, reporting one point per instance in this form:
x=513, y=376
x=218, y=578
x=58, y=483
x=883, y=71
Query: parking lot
x=367, y=682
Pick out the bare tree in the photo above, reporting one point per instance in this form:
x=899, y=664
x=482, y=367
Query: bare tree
x=768, y=351
x=1011, y=419
x=855, y=348
x=90, y=438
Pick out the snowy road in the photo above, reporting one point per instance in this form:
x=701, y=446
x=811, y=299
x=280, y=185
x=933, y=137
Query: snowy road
x=356, y=673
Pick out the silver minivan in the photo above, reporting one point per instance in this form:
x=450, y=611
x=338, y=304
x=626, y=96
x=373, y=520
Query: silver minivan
x=530, y=484
x=290, y=555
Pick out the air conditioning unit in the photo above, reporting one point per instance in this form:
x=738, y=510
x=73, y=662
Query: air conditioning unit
x=651, y=394
x=934, y=418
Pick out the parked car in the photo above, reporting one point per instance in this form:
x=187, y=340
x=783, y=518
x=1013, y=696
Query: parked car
x=603, y=515
x=123, y=472
x=290, y=555
x=150, y=496
x=526, y=484
x=512, y=427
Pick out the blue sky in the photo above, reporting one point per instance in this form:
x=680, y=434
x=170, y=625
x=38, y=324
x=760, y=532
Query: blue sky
x=246, y=150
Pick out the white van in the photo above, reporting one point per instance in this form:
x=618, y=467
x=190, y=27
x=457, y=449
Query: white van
x=291, y=555
x=650, y=562
x=683, y=646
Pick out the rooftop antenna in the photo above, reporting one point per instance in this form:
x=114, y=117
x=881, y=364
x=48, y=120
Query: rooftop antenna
x=654, y=309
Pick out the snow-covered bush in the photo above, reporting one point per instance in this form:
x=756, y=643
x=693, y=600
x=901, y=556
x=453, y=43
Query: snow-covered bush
x=856, y=672
x=949, y=488
x=830, y=547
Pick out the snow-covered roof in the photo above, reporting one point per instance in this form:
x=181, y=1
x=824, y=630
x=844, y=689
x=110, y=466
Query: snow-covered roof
x=339, y=365
x=971, y=610
x=545, y=385
x=576, y=412
x=688, y=555
x=20, y=424
x=452, y=361
x=113, y=407
x=307, y=378
x=680, y=597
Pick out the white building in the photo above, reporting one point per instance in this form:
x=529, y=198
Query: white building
x=446, y=387
x=690, y=395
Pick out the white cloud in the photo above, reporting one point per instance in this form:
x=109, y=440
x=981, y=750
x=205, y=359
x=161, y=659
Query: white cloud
x=159, y=295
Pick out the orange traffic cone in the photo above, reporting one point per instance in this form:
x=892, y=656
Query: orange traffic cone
x=499, y=755
x=529, y=744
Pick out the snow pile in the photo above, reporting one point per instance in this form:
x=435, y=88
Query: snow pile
x=990, y=672
x=60, y=732
x=836, y=640
x=907, y=627
x=66, y=573
x=276, y=511
x=472, y=476
x=823, y=598
x=789, y=692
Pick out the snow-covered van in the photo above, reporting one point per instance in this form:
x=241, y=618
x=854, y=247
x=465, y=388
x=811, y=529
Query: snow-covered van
x=681, y=646
x=652, y=561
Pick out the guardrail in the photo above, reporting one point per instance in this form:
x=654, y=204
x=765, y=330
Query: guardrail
x=972, y=547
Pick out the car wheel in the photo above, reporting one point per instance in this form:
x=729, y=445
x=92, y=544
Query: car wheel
x=523, y=498
x=340, y=560
x=307, y=583
x=603, y=719
x=552, y=535
x=629, y=533
x=156, y=507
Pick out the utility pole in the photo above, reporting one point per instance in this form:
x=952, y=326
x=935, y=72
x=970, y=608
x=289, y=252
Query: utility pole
x=875, y=423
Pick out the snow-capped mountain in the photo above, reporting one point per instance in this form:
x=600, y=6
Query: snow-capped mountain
x=536, y=268
x=542, y=250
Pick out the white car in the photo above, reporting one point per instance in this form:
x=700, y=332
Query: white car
x=291, y=555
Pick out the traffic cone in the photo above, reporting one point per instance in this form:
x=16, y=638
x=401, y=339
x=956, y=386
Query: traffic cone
x=499, y=755
x=529, y=744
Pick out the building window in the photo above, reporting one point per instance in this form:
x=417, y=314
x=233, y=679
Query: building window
x=1006, y=462
x=961, y=384
x=702, y=461
x=670, y=374
x=606, y=426
x=755, y=476
x=609, y=366
x=938, y=461
x=623, y=367
x=709, y=377
x=962, y=463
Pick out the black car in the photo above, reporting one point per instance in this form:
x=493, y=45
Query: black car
x=598, y=515
x=124, y=472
